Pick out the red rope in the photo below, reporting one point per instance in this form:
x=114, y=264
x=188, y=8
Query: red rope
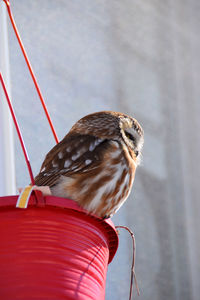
x=7, y=2
x=18, y=130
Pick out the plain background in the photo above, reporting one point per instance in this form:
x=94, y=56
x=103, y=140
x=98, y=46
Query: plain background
x=141, y=58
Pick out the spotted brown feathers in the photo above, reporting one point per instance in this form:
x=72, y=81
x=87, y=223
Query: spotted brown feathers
x=95, y=162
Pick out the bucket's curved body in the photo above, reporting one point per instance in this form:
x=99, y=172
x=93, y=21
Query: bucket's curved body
x=51, y=252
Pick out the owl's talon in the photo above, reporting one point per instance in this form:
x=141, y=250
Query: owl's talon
x=106, y=217
x=44, y=189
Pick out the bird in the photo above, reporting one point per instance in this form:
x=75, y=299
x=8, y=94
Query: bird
x=95, y=163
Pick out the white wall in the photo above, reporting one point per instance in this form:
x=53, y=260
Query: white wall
x=7, y=161
x=141, y=58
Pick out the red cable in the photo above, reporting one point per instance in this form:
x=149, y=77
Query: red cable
x=30, y=69
x=18, y=130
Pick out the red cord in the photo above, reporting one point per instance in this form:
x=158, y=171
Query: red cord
x=18, y=130
x=30, y=69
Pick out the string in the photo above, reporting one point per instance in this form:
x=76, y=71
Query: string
x=18, y=130
x=7, y=2
x=133, y=275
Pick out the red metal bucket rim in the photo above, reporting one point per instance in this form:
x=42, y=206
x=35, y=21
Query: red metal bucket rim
x=37, y=199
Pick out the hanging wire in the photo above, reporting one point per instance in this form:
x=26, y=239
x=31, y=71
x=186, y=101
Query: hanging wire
x=18, y=130
x=7, y=2
x=133, y=275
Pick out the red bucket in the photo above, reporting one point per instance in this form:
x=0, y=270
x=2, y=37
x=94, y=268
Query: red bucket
x=53, y=250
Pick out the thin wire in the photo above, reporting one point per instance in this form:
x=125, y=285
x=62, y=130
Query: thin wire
x=18, y=130
x=133, y=275
x=7, y=2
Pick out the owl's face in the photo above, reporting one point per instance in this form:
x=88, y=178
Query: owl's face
x=113, y=126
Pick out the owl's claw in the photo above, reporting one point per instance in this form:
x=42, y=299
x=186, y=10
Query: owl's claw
x=44, y=189
x=107, y=217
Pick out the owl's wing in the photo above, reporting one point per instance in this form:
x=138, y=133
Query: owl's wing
x=73, y=155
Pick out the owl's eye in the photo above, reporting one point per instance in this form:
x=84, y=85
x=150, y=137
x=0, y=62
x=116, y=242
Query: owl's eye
x=130, y=136
x=136, y=153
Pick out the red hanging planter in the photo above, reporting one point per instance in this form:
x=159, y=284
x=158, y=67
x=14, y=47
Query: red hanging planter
x=53, y=250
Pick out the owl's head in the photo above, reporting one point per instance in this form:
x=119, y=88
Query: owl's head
x=114, y=126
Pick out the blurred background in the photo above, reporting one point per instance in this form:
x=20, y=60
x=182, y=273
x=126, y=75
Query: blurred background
x=140, y=58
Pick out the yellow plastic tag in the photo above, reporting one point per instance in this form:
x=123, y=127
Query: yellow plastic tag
x=24, y=196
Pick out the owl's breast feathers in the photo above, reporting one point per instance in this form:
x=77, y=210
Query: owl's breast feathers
x=89, y=170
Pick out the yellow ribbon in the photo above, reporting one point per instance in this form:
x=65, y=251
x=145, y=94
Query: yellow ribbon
x=22, y=201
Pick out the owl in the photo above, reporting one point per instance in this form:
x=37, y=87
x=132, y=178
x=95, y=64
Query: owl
x=95, y=162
